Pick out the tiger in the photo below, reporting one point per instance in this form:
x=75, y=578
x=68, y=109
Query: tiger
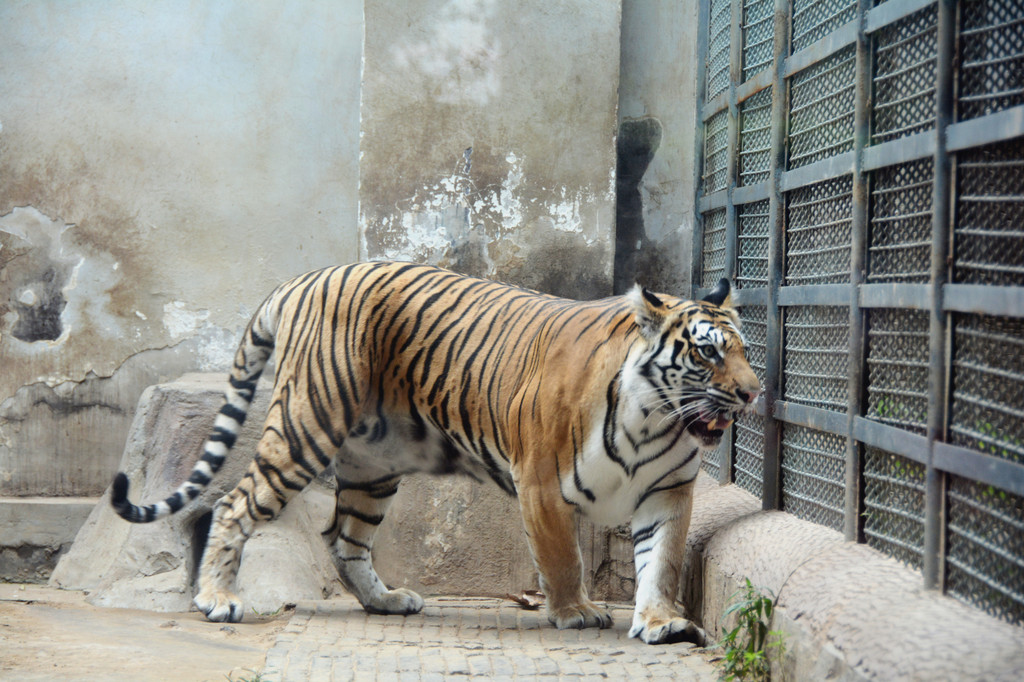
x=383, y=369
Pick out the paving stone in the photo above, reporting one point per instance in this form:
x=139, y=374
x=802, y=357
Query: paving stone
x=480, y=638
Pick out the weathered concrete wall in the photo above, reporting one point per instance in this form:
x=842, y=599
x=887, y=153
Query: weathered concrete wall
x=162, y=167
x=187, y=160
x=657, y=137
x=489, y=139
x=488, y=146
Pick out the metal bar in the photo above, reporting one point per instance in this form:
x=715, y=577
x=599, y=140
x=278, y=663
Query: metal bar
x=995, y=471
x=984, y=299
x=985, y=130
x=853, y=492
x=742, y=297
x=894, y=295
x=889, y=12
x=815, y=294
x=938, y=361
x=811, y=417
x=771, y=488
x=714, y=105
x=826, y=169
x=697, y=259
x=820, y=49
x=754, y=85
x=891, y=439
x=751, y=193
x=910, y=148
x=725, y=469
x=725, y=474
x=710, y=202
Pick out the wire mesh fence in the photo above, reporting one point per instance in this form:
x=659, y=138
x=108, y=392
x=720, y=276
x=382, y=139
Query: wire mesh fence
x=897, y=361
x=813, y=468
x=900, y=243
x=872, y=220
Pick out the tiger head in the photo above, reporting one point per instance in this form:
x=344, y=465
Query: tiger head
x=691, y=363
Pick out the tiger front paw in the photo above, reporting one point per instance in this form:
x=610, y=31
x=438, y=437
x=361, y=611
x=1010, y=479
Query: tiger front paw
x=399, y=601
x=221, y=607
x=586, y=614
x=667, y=630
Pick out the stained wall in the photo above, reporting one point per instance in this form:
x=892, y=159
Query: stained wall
x=489, y=139
x=162, y=167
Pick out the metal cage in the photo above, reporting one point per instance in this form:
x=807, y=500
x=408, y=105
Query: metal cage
x=863, y=186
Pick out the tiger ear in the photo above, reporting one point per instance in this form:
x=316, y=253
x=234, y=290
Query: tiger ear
x=649, y=310
x=721, y=295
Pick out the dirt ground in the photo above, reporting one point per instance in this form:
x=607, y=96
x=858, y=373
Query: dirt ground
x=51, y=634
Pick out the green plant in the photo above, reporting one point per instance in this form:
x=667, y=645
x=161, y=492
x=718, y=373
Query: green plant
x=269, y=614
x=748, y=644
x=257, y=676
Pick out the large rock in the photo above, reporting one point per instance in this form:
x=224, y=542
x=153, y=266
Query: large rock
x=153, y=566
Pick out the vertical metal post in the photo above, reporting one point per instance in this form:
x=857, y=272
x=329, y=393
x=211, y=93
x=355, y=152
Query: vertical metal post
x=858, y=267
x=771, y=497
x=733, y=134
x=697, y=258
x=938, y=328
x=732, y=175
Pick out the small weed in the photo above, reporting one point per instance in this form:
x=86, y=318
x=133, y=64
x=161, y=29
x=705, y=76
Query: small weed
x=747, y=645
x=256, y=676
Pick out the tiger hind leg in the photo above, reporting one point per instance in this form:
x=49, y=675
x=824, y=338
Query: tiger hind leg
x=228, y=532
x=273, y=478
x=359, y=511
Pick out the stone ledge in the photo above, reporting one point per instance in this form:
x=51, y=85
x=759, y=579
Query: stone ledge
x=36, y=531
x=847, y=611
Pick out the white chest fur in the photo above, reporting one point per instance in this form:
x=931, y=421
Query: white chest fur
x=619, y=469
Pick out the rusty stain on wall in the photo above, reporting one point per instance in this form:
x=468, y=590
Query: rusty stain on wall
x=493, y=152
x=152, y=193
x=77, y=353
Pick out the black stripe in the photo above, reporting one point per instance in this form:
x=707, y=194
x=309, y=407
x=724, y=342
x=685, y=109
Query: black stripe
x=661, y=453
x=258, y=341
x=242, y=385
x=577, y=481
x=266, y=468
x=647, y=532
x=222, y=435
x=229, y=410
x=352, y=541
x=653, y=489
x=372, y=519
x=611, y=422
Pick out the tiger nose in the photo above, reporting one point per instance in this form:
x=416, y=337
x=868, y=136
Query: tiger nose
x=748, y=396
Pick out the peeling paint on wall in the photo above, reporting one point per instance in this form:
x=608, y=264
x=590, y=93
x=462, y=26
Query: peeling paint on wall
x=153, y=192
x=487, y=219
x=48, y=289
x=34, y=271
x=491, y=153
x=180, y=321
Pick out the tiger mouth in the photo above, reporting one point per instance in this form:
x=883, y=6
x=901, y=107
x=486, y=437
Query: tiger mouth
x=710, y=425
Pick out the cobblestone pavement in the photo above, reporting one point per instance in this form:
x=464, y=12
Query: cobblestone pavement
x=337, y=640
